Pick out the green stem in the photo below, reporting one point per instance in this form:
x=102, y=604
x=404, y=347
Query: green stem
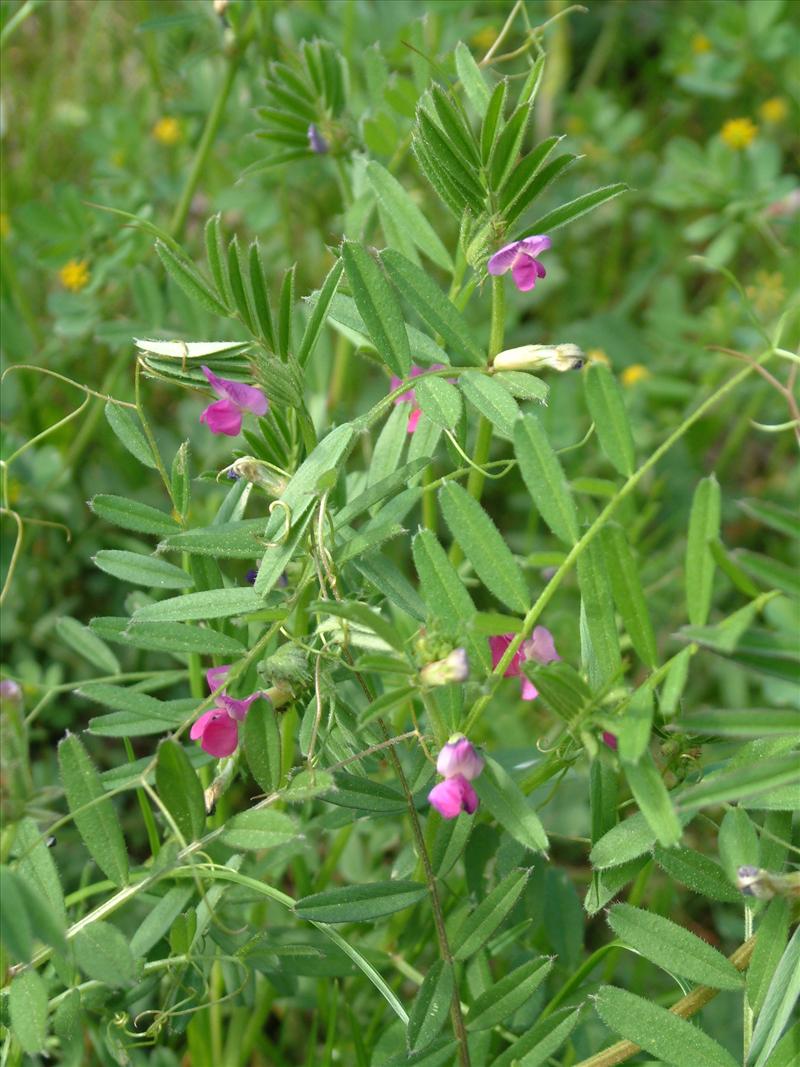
x=147, y=814
x=747, y=1010
x=204, y=147
x=580, y=545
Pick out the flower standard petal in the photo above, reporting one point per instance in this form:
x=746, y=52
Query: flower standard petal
x=215, y=676
x=246, y=397
x=220, y=736
x=498, y=646
x=535, y=244
x=223, y=417
x=541, y=646
x=504, y=259
x=459, y=758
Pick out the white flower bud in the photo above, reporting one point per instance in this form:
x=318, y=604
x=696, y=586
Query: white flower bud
x=533, y=357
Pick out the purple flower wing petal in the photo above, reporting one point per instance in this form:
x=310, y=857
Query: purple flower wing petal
x=535, y=244
x=246, y=397
x=215, y=676
x=223, y=417
x=503, y=260
x=237, y=709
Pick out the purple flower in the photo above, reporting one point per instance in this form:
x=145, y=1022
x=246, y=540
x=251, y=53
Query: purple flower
x=521, y=258
x=225, y=415
x=459, y=758
x=453, y=668
x=610, y=740
x=452, y=796
x=316, y=142
x=251, y=576
x=410, y=396
x=539, y=647
x=218, y=729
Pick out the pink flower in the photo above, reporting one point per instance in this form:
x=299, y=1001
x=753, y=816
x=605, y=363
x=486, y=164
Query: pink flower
x=539, y=647
x=452, y=796
x=521, y=258
x=225, y=415
x=458, y=758
x=410, y=396
x=610, y=740
x=218, y=729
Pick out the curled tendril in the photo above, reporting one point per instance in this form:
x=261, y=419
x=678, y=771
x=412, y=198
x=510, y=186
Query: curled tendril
x=287, y=526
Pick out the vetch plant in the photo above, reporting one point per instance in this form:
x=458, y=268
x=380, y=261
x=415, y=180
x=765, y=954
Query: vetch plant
x=315, y=821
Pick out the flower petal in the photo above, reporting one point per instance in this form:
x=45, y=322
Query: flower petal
x=535, y=244
x=525, y=274
x=446, y=798
x=413, y=420
x=529, y=690
x=459, y=758
x=199, y=727
x=223, y=417
x=541, y=646
x=215, y=676
x=237, y=709
x=246, y=397
x=498, y=646
x=503, y=260
x=221, y=737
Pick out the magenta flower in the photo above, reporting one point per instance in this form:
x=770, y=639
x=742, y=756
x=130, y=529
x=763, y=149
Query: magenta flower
x=225, y=415
x=521, y=258
x=316, y=142
x=610, y=740
x=458, y=758
x=218, y=729
x=452, y=796
x=410, y=396
x=458, y=763
x=539, y=647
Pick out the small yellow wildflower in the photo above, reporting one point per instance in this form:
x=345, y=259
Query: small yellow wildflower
x=5, y=224
x=739, y=133
x=167, y=131
x=74, y=275
x=774, y=110
x=768, y=293
x=485, y=38
x=700, y=44
x=634, y=374
x=598, y=355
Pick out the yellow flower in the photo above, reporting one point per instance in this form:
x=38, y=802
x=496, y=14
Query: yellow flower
x=167, y=131
x=768, y=294
x=75, y=275
x=634, y=374
x=5, y=224
x=598, y=355
x=774, y=110
x=700, y=44
x=739, y=133
x=485, y=38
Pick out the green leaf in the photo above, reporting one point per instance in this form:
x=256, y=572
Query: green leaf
x=431, y=1006
x=537, y=1046
x=103, y=953
x=192, y=283
x=666, y=1036
x=131, y=515
x=522, y=185
x=215, y=254
x=360, y=903
x=363, y=794
x=779, y=1002
x=750, y=782
x=506, y=802
x=27, y=1003
x=285, y=312
x=449, y=843
x=440, y=402
x=786, y=1051
x=406, y=215
x=210, y=604
x=773, y=515
x=180, y=479
x=92, y=811
x=258, y=287
x=482, y=922
x=623, y=573
x=744, y=722
x=180, y=790
x=523, y=386
x=378, y=307
x=699, y=873
x=159, y=919
x=377, y=491
x=129, y=432
x=139, y=569
x=623, y=842
x=166, y=637
x=493, y=119
x=703, y=528
x=262, y=745
x=470, y=76
x=773, y=932
x=633, y=731
x=503, y=998
x=491, y=399
x=240, y=539
x=388, y=580
x=319, y=313
x=671, y=947
x=561, y=688
x=599, y=638
x=259, y=828
x=560, y=216
x=651, y=795
x=362, y=615
x=87, y=644
x=607, y=408
x=428, y=300
x=507, y=147
x=37, y=867
x=544, y=479
x=483, y=546
x=15, y=926
x=737, y=842
x=770, y=572
x=236, y=277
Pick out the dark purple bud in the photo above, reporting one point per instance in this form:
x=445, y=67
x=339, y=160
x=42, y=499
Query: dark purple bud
x=234, y=477
x=251, y=576
x=316, y=141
